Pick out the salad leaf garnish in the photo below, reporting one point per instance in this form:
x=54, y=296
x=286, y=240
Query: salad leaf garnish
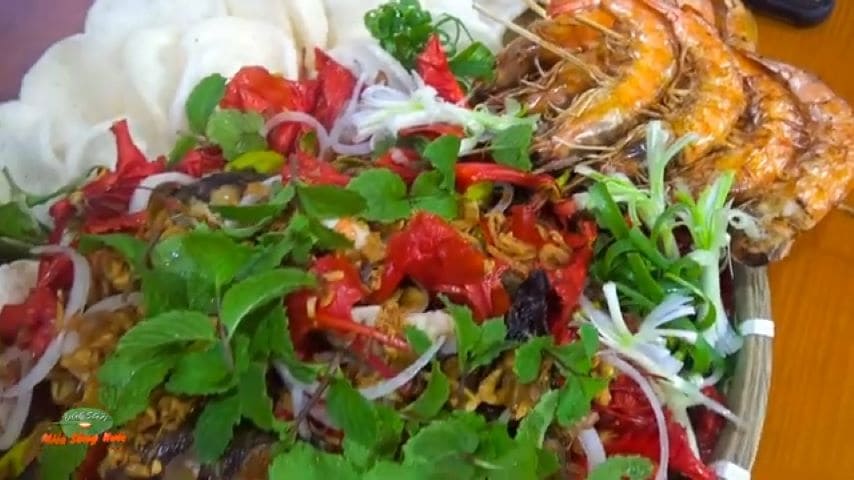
x=203, y=101
x=384, y=193
x=328, y=201
x=477, y=345
x=417, y=339
x=427, y=194
x=476, y=62
x=434, y=396
x=259, y=290
x=215, y=427
x=442, y=154
x=511, y=146
x=306, y=462
x=620, y=467
x=130, y=247
x=168, y=329
x=60, y=461
x=236, y=132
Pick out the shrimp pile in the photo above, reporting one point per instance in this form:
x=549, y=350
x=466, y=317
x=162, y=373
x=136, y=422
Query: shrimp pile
x=691, y=64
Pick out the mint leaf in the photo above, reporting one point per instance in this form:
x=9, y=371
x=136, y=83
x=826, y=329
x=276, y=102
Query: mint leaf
x=217, y=257
x=573, y=403
x=393, y=471
x=529, y=357
x=427, y=195
x=203, y=101
x=520, y=463
x=257, y=291
x=307, y=463
x=202, y=372
x=255, y=403
x=267, y=257
x=434, y=397
x=389, y=430
x=236, y=132
x=271, y=337
x=215, y=427
x=169, y=328
x=352, y=413
x=441, y=439
x=252, y=214
x=328, y=201
x=384, y=193
x=58, y=462
x=620, y=467
x=511, y=146
x=443, y=154
x=127, y=381
x=130, y=247
x=418, y=340
x=532, y=429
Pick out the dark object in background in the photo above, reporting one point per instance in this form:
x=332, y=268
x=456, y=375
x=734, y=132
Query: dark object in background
x=804, y=13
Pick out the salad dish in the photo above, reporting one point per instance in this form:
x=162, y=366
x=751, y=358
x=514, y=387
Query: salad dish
x=448, y=242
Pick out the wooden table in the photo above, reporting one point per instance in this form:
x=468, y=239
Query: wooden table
x=810, y=423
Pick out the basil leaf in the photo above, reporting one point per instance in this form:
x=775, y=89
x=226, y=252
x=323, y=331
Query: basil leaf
x=175, y=327
x=215, y=427
x=257, y=291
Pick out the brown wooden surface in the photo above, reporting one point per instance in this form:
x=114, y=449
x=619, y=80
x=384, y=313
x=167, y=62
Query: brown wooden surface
x=810, y=425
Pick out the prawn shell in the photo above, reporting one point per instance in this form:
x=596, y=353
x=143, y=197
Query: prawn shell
x=717, y=98
x=821, y=176
x=608, y=111
x=736, y=24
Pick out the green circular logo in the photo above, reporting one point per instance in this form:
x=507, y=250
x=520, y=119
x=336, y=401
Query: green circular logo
x=87, y=421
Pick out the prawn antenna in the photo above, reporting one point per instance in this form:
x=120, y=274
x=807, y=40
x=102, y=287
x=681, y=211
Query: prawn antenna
x=590, y=70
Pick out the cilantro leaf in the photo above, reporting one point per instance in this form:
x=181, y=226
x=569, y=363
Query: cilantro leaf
x=130, y=247
x=352, y=413
x=127, y=381
x=417, y=339
x=532, y=429
x=330, y=201
x=236, y=132
x=477, y=345
x=620, y=467
x=384, y=193
x=58, y=462
x=529, y=356
x=589, y=339
x=169, y=328
x=255, y=403
x=216, y=256
x=573, y=357
x=511, y=146
x=434, y=396
x=215, y=427
x=201, y=372
x=203, y=101
x=307, y=463
x=442, y=154
x=476, y=62
x=427, y=195
x=257, y=291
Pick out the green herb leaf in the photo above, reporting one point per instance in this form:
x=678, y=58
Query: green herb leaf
x=203, y=101
x=468, y=333
x=573, y=357
x=216, y=256
x=307, y=463
x=440, y=439
x=267, y=257
x=491, y=343
x=529, y=356
x=352, y=412
x=17, y=223
x=434, y=397
x=532, y=429
x=402, y=28
x=512, y=145
x=252, y=214
x=130, y=247
x=589, y=340
x=257, y=291
x=255, y=403
x=236, y=132
x=393, y=471
x=127, y=381
x=215, y=427
x=182, y=147
x=477, y=345
x=329, y=201
x=58, y=462
x=622, y=467
x=428, y=195
x=476, y=62
x=442, y=154
x=169, y=328
x=384, y=193
x=417, y=339
x=573, y=403
x=162, y=291
x=202, y=372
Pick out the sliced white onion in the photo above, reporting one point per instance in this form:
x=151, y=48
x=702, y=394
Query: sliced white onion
x=358, y=149
x=82, y=277
x=71, y=343
x=591, y=443
x=391, y=385
x=14, y=423
x=507, y=193
x=48, y=360
x=275, y=179
x=142, y=194
x=657, y=409
x=398, y=157
x=115, y=302
x=291, y=381
x=299, y=117
x=345, y=119
x=366, y=314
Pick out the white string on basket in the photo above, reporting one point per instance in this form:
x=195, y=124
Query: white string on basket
x=761, y=327
x=726, y=470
